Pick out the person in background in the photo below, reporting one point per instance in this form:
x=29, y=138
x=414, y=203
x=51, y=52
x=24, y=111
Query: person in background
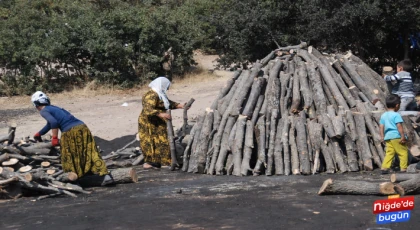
x=402, y=85
x=152, y=124
x=392, y=133
x=79, y=153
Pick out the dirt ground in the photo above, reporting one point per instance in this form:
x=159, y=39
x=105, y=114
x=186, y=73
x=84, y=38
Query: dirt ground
x=175, y=200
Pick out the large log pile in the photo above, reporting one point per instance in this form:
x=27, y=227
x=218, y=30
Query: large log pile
x=30, y=168
x=296, y=111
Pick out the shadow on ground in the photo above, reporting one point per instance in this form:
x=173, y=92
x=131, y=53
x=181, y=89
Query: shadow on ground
x=174, y=200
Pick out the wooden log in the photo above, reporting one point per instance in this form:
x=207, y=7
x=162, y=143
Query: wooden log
x=187, y=150
x=350, y=150
x=238, y=145
x=318, y=94
x=411, y=186
x=304, y=86
x=33, y=151
x=285, y=142
x=255, y=93
x=192, y=164
x=278, y=148
x=202, y=146
x=338, y=125
x=329, y=96
x=68, y=187
x=67, y=177
x=284, y=81
x=355, y=92
x=45, y=164
x=266, y=59
x=170, y=128
x=271, y=147
x=366, y=100
x=343, y=74
x=358, y=80
x=413, y=140
x=362, y=141
x=228, y=98
x=293, y=148
x=400, y=177
x=329, y=80
x=302, y=45
x=375, y=155
x=10, y=162
x=237, y=102
x=25, y=169
x=226, y=89
x=248, y=146
x=326, y=152
x=261, y=145
x=376, y=85
x=289, y=90
x=119, y=176
x=12, y=133
x=258, y=108
x=223, y=149
x=327, y=125
x=7, y=173
x=302, y=146
x=272, y=88
x=351, y=125
x=349, y=187
x=294, y=108
x=339, y=156
x=185, y=115
x=4, y=157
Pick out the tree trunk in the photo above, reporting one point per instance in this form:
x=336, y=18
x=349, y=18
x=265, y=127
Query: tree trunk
x=257, y=109
x=294, y=108
x=120, y=176
x=223, y=149
x=400, y=177
x=285, y=142
x=238, y=145
x=318, y=94
x=203, y=143
x=248, y=146
x=349, y=187
x=293, y=148
x=284, y=81
x=246, y=87
x=302, y=146
x=329, y=80
x=257, y=86
x=411, y=186
x=174, y=162
x=193, y=161
x=270, y=155
x=261, y=145
x=362, y=141
x=304, y=86
x=278, y=149
x=185, y=116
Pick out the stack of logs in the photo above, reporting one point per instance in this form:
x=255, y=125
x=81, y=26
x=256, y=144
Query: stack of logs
x=29, y=168
x=296, y=111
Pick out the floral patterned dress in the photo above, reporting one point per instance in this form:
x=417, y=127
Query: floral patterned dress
x=153, y=130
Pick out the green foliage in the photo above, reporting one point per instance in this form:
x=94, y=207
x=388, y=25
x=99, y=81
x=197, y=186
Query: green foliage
x=54, y=45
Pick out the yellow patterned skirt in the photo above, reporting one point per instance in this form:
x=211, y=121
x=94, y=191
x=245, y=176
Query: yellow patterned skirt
x=154, y=142
x=79, y=153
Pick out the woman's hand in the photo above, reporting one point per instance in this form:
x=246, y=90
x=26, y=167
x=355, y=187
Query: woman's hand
x=165, y=116
x=181, y=106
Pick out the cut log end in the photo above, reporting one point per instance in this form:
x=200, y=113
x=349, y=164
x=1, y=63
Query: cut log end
x=324, y=186
x=10, y=162
x=387, y=188
x=25, y=169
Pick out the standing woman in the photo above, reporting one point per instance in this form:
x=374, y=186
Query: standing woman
x=79, y=153
x=152, y=124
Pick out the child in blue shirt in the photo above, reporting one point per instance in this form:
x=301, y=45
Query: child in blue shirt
x=392, y=133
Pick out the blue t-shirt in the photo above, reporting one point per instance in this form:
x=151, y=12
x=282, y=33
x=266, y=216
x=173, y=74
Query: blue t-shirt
x=389, y=120
x=58, y=118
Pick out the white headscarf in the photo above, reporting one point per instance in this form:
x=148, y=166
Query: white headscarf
x=160, y=85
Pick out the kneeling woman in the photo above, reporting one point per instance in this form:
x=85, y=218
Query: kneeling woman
x=79, y=153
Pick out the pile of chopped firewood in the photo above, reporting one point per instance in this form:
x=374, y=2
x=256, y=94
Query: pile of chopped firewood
x=30, y=168
x=297, y=111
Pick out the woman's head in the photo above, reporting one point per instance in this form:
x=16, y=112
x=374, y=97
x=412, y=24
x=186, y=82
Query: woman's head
x=160, y=83
x=40, y=99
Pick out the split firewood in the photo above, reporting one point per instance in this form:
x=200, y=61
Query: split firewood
x=348, y=187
